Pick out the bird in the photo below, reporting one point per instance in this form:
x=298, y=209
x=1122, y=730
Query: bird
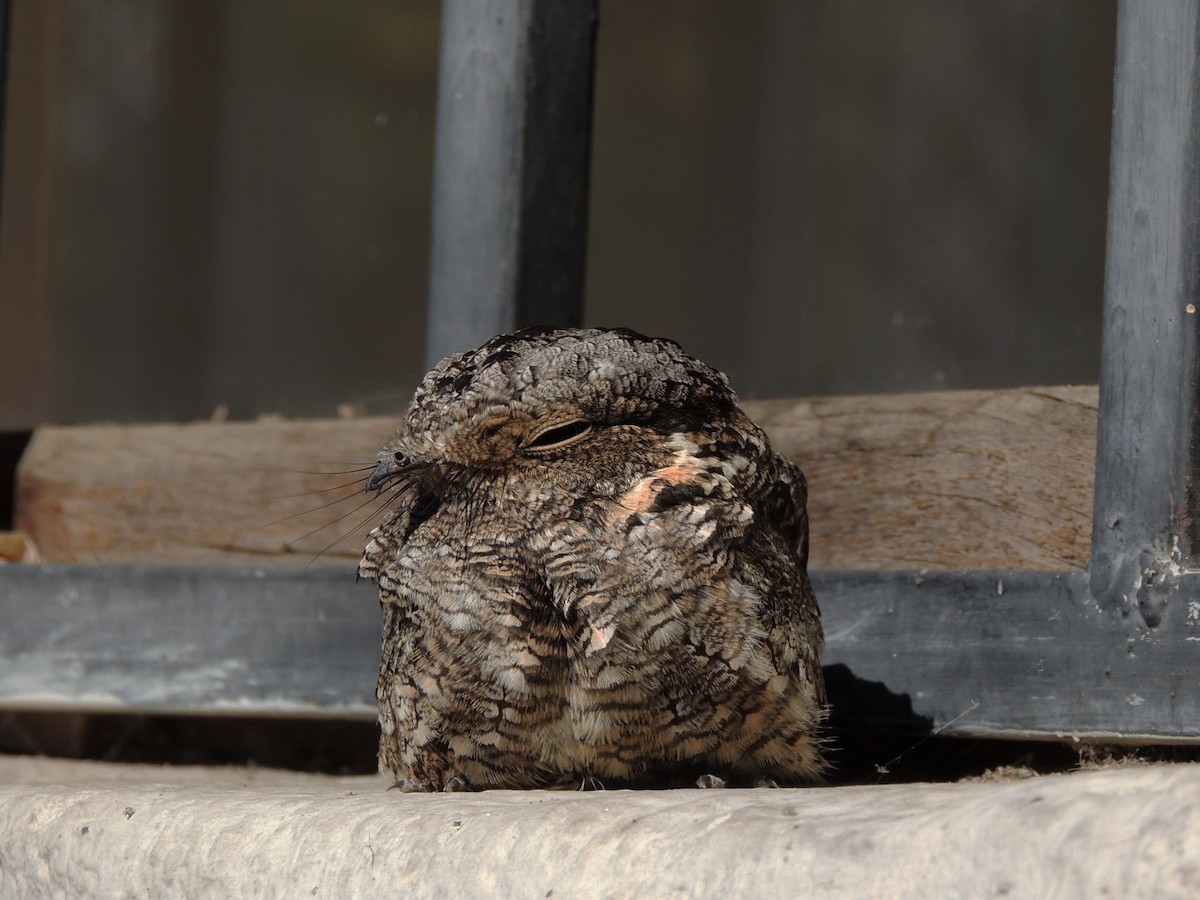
x=592, y=570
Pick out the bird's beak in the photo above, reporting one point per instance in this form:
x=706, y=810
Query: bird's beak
x=384, y=472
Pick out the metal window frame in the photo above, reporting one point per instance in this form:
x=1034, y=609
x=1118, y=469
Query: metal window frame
x=1110, y=653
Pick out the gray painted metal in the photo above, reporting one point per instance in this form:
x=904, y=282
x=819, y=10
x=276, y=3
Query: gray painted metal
x=511, y=171
x=1008, y=654
x=188, y=639
x=1145, y=517
x=969, y=653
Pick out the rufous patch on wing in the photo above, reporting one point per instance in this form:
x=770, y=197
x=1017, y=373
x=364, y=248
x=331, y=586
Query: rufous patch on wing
x=600, y=638
x=641, y=496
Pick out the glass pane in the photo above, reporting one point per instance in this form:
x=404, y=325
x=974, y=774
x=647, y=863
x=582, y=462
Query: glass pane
x=227, y=203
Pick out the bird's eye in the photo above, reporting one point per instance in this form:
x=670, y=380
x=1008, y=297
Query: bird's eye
x=559, y=435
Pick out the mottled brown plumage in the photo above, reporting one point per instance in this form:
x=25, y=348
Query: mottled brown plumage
x=593, y=568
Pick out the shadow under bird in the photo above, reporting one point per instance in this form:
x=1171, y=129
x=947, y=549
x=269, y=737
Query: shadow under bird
x=592, y=570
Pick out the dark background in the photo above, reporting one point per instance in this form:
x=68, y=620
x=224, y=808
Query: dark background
x=226, y=202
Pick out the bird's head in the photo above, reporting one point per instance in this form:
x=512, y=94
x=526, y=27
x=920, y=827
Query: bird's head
x=542, y=399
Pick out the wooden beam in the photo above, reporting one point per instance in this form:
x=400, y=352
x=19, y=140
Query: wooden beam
x=949, y=480
x=264, y=493
x=962, y=480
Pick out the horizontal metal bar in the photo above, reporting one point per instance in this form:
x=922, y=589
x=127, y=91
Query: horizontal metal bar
x=1009, y=654
x=192, y=640
x=980, y=653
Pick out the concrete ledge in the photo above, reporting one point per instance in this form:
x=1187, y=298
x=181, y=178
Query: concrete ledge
x=90, y=829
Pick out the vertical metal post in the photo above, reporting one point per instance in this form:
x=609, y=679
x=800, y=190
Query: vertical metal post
x=511, y=171
x=1145, y=514
x=5, y=30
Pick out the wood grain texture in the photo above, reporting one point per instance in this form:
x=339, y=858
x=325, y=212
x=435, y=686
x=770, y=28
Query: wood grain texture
x=275, y=493
x=957, y=480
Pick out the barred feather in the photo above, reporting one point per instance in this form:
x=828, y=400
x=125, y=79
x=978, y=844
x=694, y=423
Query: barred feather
x=593, y=569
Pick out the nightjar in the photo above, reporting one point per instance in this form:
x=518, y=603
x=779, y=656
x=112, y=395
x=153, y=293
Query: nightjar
x=592, y=570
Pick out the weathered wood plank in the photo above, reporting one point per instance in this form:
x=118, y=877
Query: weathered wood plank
x=962, y=480
x=261, y=493
x=955, y=480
